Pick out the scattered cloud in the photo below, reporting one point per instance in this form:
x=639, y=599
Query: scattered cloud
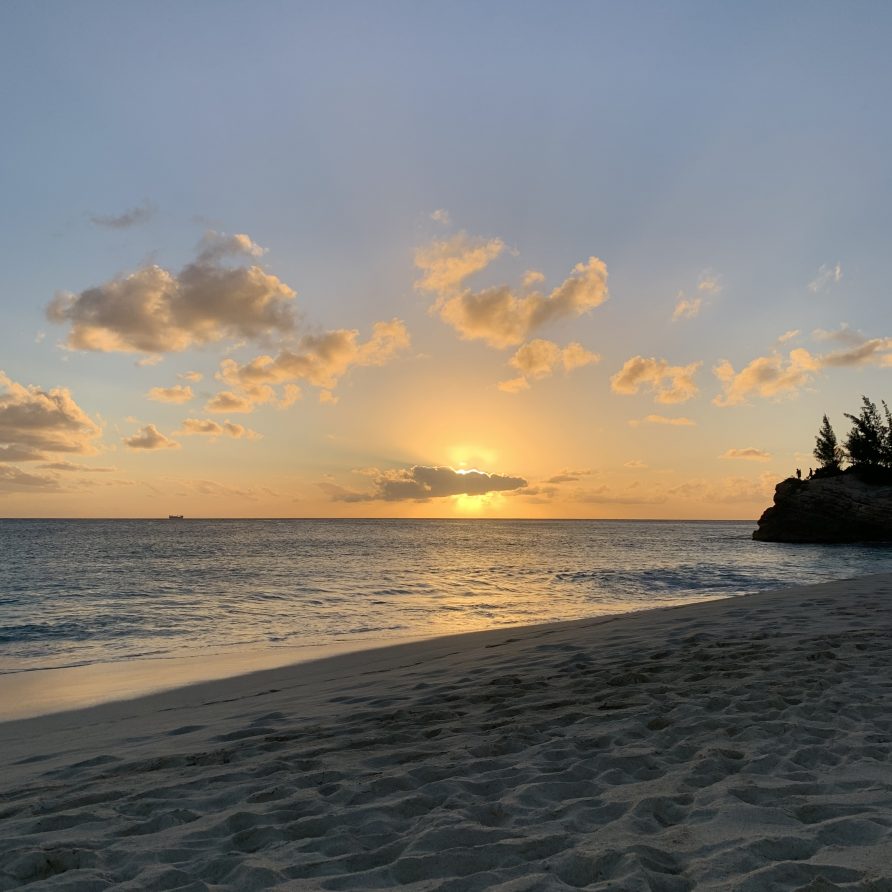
x=514, y=385
x=748, y=454
x=75, y=466
x=788, y=335
x=150, y=438
x=679, y=421
x=421, y=484
x=16, y=480
x=192, y=377
x=709, y=283
x=539, y=359
x=446, y=263
x=606, y=495
x=568, y=475
x=179, y=393
x=327, y=398
x=765, y=376
x=498, y=315
x=132, y=217
x=35, y=423
x=532, y=277
x=207, y=427
x=634, y=463
x=155, y=311
x=775, y=376
x=668, y=383
x=227, y=401
x=687, y=307
x=441, y=215
x=826, y=277
x=320, y=360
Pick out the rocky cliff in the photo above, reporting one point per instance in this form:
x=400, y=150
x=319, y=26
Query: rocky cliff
x=843, y=508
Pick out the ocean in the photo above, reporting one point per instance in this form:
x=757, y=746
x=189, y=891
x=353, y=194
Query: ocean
x=79, y=592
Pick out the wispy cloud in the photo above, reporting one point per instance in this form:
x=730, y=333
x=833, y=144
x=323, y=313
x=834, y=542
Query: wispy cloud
x=178, y=393
x=748, y=453
x=668, y=421
x=131, y=217
x=826, y=277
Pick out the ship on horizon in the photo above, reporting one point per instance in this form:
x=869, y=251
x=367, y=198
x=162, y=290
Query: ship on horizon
x=174, y=516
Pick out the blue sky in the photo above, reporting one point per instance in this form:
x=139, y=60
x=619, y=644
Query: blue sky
x=745, y=142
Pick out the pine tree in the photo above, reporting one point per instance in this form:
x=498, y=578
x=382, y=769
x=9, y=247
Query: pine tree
x=887, y=438
x=827, y=450
x=866, y=442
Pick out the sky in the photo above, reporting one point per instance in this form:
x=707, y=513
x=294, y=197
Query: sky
x=397, y=259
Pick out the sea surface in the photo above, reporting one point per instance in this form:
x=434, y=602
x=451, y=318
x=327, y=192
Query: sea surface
x=80, y=592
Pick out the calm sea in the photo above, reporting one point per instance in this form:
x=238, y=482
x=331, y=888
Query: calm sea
x=80, y=592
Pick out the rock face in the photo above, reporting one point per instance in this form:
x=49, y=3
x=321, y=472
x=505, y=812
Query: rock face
x=828, y=509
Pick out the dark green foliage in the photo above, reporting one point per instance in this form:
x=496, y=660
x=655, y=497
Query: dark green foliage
x=827, y=450
x=867, y=442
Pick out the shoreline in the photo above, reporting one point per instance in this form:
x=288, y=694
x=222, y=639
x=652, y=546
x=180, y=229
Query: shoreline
x=743, y=743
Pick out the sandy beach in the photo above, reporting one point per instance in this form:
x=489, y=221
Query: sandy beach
x=738, y=744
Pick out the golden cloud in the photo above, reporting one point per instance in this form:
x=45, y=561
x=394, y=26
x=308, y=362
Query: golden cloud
x=153, y=310
x=149, y=438
x=668, y=383
x=179, y=393
x=36, y=422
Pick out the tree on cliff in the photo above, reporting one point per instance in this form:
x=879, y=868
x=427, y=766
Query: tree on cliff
x=867, y=444
x=827, y=450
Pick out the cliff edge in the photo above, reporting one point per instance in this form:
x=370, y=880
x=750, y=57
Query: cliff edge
x=841, y=508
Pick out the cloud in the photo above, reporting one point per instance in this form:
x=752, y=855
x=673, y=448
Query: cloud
x=748, y=453
x=320, y=360
x=687, y=307
x=498, y=315
x=774, y=376
x=679, y=421
x=150, y=438
x=421, y=483
x=132, y=217
x=227, y=401
x=668, y=383
x=826, y=277
x=193, y=377
x=501, y=318
x=75, y=466
x=514, y=385
x=539, y=359
x=441, y=215
x=179, y=393
x=856, y=350
x=788, y=335
x=605, y=495
x=569, y=476
x=16, y=480
x=36, y=422
x=634, y=463
x=153, y=310
x=708, y=285
x=765, y=376
x=446, y=263
x=532, y=277
x=209, y=428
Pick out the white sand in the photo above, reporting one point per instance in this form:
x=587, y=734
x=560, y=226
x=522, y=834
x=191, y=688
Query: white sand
x=741, y=744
